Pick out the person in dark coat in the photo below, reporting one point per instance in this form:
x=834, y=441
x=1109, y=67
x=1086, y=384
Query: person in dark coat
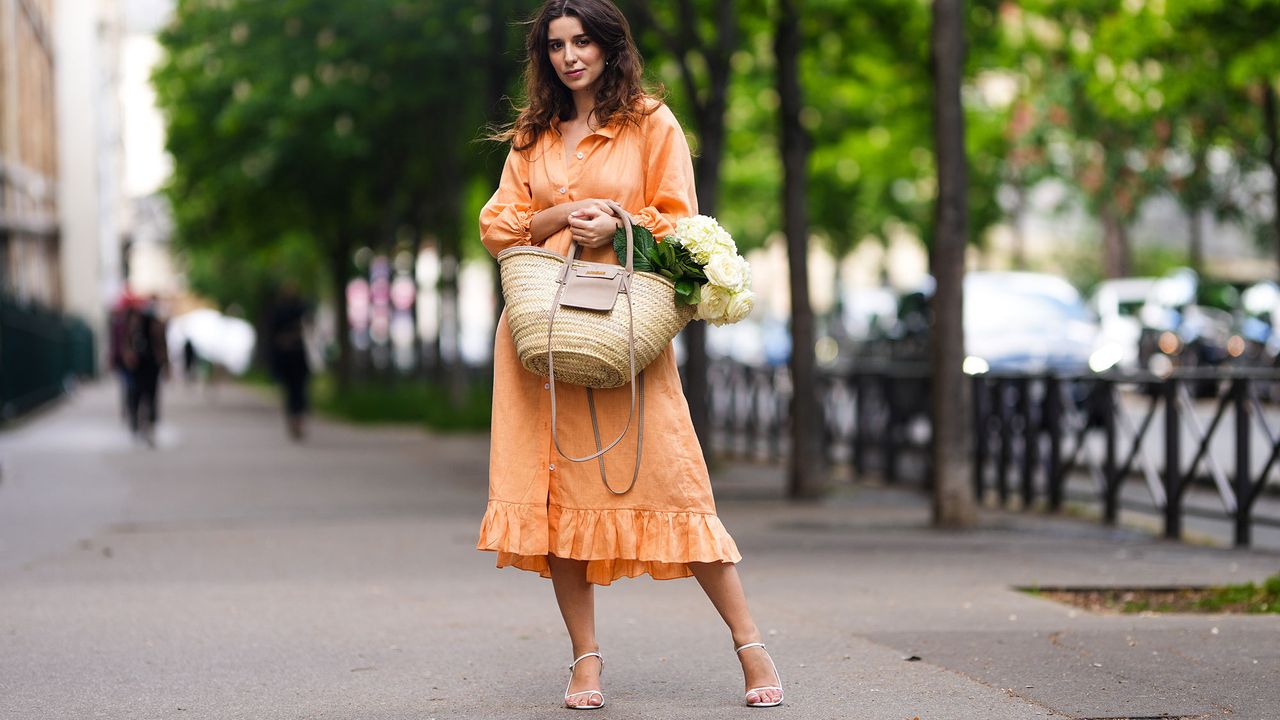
x=119, y=319
x=288, y=354
x=146, y=357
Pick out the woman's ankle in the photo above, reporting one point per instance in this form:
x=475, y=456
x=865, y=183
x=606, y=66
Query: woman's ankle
x=586, y=648
x=746, y=636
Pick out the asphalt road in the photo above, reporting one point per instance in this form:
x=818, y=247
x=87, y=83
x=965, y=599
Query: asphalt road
x=229, y=574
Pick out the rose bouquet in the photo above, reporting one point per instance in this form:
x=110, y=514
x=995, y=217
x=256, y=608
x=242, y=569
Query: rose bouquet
x=702, y=260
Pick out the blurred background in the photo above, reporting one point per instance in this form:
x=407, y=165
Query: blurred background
x=195, y=157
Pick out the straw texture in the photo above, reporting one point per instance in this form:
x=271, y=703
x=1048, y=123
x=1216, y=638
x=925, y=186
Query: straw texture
x=591, y=348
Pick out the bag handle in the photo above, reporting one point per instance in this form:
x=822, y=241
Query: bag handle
x=637, y=381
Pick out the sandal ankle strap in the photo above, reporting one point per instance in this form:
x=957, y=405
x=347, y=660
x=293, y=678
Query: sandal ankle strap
x=750, y=645
x=584, y=656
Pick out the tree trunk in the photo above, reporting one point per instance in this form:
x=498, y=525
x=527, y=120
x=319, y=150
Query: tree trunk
x=447, y=212
x=1019, y=233
x=499, y=74
x=450, y=336
x=339, y=271
x=1115, y=244
x=1272, y=128
x=711, y=132
x=684, y=44
x=953, y=504
x=805, y=476
x=1195, y=254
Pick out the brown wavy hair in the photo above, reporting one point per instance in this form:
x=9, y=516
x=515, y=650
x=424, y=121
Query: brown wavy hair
x=620, y=94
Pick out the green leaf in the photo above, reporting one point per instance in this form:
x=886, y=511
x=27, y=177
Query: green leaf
x=688, y=292
x=667, y=256
x=643, y=245
x=651, y=256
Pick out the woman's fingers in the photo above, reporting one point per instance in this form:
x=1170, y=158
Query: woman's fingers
x=592, y=227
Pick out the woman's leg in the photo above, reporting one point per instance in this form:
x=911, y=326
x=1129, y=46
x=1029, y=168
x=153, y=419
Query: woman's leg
x=577, y=601
x=722, y=585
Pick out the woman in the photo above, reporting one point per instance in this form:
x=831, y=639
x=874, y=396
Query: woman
x=589, y=133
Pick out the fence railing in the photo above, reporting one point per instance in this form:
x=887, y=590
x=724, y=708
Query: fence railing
x=41, y=353
x=1123, y=441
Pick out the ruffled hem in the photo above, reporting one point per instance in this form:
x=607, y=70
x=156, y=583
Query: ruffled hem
x=616, y=543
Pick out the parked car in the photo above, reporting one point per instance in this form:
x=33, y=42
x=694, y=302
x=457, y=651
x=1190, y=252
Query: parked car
x=1187, y=324
x=1117, y=304
x=1031, y=322
x=1013, y=321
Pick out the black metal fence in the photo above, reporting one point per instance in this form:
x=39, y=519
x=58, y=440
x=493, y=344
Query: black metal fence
x=41, y=353
x=1137, y=442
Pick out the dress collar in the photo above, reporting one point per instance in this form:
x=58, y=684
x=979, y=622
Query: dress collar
x=610, y=131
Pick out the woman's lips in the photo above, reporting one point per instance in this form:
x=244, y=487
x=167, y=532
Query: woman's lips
x=575, y=74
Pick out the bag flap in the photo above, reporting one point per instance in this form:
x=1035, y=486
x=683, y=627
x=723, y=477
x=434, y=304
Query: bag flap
x=588, y=290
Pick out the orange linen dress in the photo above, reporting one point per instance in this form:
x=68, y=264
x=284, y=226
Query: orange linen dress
x=539, y=502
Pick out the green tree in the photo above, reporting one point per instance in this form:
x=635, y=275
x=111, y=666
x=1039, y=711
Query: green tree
x=1203, y=73
x=701, y=50
x=320, y=119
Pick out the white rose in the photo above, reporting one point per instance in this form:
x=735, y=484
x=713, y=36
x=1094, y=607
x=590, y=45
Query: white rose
x=703, y=237
x=729, y=271
x=740, y=306
x=715, y=300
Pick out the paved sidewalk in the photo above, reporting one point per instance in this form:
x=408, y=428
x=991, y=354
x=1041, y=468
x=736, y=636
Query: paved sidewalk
x=228, y=574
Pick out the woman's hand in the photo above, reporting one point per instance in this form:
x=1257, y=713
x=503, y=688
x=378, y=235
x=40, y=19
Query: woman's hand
x=594, y=225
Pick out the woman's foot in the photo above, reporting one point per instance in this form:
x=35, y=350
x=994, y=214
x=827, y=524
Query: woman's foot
x=584, y=685
x=762, y=681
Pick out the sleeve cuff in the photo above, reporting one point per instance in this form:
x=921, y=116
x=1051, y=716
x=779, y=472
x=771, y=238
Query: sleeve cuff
x=655, y=222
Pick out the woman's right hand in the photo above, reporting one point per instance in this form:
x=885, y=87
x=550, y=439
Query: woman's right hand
x=594, y=227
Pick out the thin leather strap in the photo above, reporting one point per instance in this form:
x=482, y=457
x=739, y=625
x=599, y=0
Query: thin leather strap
x=595, y=428
x=757, y=690
x=636, y=382
x=584, y=656
x=551, y=372
x=588, y=693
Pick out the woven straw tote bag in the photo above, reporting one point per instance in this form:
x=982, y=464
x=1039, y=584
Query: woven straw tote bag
x=568, y=325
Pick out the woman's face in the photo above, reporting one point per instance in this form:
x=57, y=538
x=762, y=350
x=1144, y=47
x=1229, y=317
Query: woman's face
x=577, y=58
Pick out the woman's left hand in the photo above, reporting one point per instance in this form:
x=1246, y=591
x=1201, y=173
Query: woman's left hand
x=593, y=227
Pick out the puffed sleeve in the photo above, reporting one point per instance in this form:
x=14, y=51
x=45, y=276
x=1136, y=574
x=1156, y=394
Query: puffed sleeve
x=669, y=191
x=505, y=219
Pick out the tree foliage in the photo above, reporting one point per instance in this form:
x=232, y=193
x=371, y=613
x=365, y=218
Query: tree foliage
x=317, y=123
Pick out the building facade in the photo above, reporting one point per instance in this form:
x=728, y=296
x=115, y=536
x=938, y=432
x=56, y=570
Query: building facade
x=92, y=206
x=30, y=256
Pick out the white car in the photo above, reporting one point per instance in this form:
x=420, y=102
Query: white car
x=1117, y=304
x=1030, y=322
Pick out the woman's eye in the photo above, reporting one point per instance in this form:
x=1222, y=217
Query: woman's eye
x=555, y=46
x=584, y=42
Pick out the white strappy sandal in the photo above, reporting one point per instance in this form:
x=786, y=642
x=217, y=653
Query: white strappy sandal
x=588, y=693
x=766, y=687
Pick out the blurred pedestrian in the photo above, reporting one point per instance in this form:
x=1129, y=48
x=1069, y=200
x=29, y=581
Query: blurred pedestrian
x=589, y=133
x=118, y=332
x=288, y=350
x=190, y=361
x=146, y=356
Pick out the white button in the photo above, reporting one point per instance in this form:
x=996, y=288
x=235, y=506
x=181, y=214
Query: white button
x=564, y=190
x=552, y=466
x=546, y=386
x=581, y=155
